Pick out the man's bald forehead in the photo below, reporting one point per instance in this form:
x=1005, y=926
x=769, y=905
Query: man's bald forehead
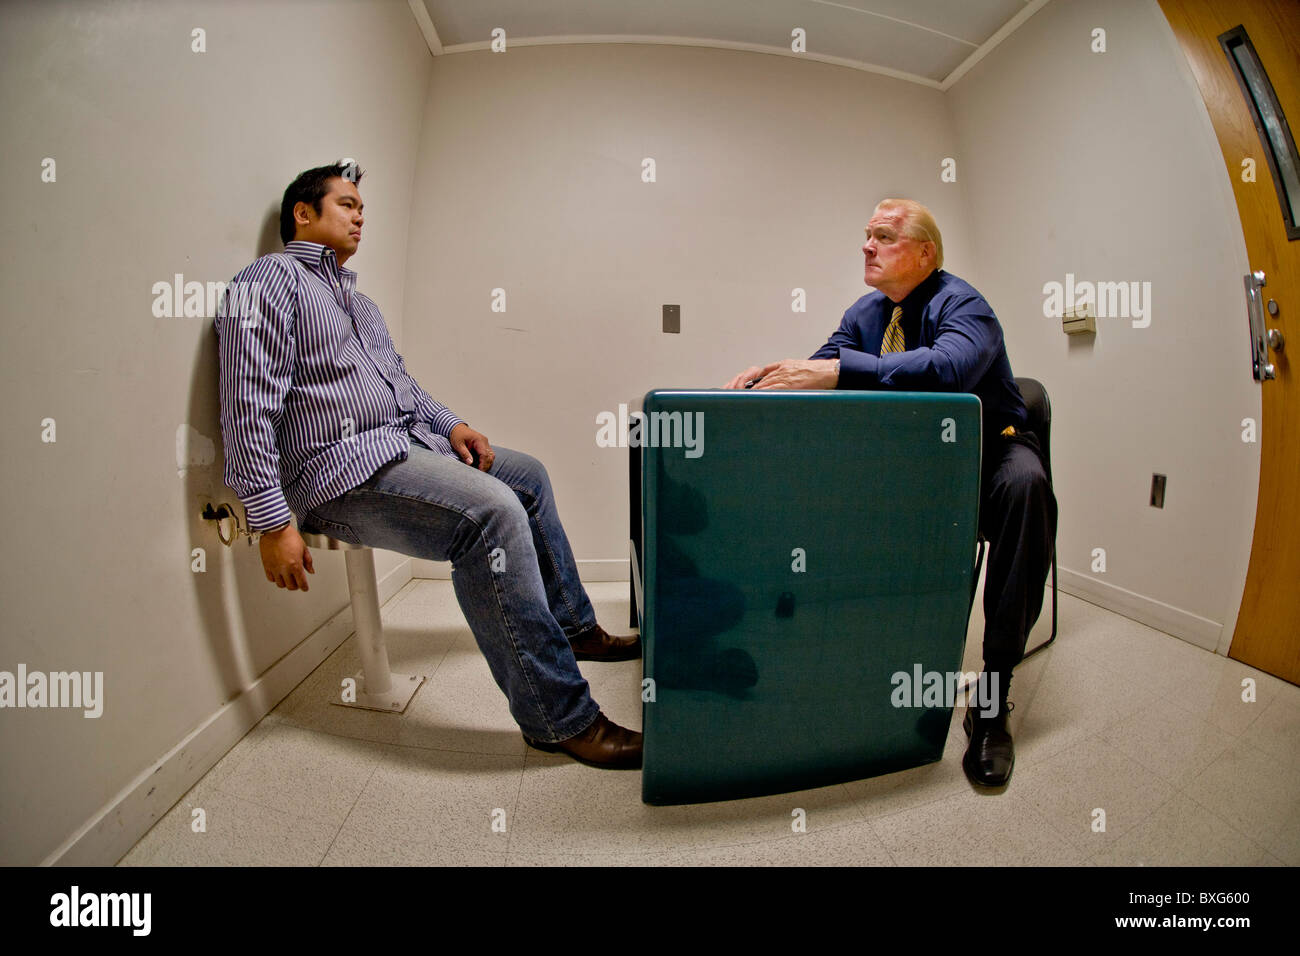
x=888, y=214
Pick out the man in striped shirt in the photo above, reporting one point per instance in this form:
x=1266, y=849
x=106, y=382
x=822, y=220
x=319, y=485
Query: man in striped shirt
x=321, y=420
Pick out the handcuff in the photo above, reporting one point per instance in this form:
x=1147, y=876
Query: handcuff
x=224, y=512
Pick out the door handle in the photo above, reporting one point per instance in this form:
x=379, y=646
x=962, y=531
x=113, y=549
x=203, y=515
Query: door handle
x=1260, y=366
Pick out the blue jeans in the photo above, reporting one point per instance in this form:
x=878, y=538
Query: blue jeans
x=513, y=572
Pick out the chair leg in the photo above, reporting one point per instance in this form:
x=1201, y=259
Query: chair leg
x=635, y=584
x=963, y=687
x=365, y=618
x=1053, y=637
x=979, y=566
x=378, y=688
x=1047, y=642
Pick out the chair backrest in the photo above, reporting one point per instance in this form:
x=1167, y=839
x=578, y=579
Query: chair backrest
x=1039, y=408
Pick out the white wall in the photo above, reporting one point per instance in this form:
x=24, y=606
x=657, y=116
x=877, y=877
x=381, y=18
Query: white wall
x=529, y=179
x=522, y=171
x=1105, y=165
x=167, y=161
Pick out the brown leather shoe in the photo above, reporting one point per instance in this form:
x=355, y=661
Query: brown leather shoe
x=596, y=645
x=604, y=744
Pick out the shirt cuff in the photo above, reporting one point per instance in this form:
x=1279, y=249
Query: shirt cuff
x=858, y=370
x=267, y=509
x=444, y=423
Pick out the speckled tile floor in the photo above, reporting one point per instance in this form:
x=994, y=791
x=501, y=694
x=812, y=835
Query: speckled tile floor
x=1115, y=716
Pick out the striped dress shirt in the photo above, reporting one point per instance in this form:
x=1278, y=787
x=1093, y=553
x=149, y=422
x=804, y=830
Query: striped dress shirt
x=314, y=397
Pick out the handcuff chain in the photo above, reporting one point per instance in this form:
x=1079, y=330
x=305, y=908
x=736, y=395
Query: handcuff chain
x=240, y=531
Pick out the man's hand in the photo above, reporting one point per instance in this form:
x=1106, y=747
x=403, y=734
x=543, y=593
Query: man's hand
x=465, y=442
x=285, y=557
x=799, y=373
x=750, y=374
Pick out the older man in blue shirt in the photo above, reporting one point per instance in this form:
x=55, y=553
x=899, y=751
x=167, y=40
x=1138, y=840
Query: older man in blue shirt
x=321, y=420
x=924, y=329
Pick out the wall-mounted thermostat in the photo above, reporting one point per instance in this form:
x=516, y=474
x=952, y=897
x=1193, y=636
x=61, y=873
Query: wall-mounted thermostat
x=1079, y=320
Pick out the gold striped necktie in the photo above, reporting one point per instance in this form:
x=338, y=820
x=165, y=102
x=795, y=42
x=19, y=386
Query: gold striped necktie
x=893, y=341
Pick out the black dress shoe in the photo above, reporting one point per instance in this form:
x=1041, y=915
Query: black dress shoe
x=596, y=645
x=991, y=755
x=604, y=744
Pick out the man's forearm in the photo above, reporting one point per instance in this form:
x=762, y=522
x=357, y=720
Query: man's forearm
x=256, y=369
x=858, y=370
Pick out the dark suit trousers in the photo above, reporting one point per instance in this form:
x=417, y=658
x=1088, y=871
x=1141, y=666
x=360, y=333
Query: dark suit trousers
x=1018, y=517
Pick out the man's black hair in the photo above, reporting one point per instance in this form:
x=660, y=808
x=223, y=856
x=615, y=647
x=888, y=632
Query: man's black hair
x=311, y=187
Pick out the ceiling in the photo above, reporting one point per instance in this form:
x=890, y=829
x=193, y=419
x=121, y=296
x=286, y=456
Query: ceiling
x=931, y=42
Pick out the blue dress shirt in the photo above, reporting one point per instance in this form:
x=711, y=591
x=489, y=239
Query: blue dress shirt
x=314, y=397
x=954, y=344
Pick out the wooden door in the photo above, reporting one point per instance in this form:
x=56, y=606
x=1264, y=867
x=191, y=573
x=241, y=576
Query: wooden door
x=1268, y=626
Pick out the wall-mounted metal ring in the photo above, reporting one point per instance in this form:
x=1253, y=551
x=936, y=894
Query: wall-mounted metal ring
x=228, y=542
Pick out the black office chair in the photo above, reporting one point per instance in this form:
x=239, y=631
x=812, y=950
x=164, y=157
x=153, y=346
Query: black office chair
x=1039, y=408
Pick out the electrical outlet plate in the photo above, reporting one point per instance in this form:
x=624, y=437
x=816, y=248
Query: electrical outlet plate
x=1157, y=491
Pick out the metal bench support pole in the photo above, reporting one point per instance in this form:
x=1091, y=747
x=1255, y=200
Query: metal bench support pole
x=365, y=617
